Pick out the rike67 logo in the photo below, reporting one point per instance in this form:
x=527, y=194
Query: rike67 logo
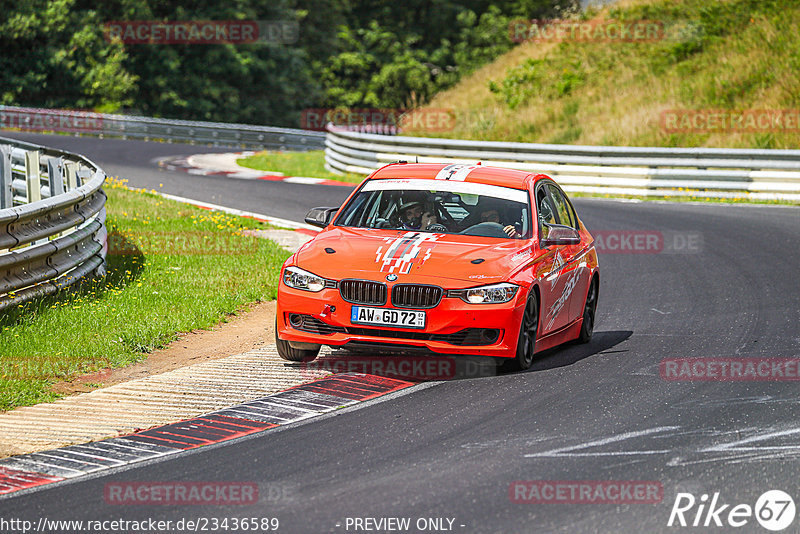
x=774, y=510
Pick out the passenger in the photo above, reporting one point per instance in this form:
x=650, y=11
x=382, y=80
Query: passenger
x=492, y=214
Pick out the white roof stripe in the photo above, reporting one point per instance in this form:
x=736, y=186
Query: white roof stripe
x=469, y=188
x=457, y=172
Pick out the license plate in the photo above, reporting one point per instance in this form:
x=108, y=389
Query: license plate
x=388, y=317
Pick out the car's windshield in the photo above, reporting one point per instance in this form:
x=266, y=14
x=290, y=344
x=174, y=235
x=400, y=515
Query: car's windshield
x=440, y=206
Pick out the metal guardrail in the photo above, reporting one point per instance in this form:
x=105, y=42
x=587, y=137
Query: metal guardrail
x=664, y=172
x=148, y=128
x=52, y=221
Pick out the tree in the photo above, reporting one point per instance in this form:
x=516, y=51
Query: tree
x=54, y=55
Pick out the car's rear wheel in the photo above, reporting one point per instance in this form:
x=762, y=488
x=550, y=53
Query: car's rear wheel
x=589, y=309
x=526, y=342
x=286, y=351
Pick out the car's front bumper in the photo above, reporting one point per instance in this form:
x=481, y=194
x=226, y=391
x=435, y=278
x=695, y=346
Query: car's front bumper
x=452, y=327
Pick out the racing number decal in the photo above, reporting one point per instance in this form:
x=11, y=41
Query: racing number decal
x=559, y=304
x=563, y=282
x=403, y=251
x=457, y=172
x=558, y=265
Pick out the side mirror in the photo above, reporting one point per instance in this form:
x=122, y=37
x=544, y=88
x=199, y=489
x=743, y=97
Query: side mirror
x=558, y=234
x=321, y=217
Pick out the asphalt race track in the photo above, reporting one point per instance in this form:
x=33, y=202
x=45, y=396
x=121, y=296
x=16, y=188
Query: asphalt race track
x=724, y=285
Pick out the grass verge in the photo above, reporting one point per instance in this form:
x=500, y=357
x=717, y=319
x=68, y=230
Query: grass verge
x=171, y=268
x=311, y=164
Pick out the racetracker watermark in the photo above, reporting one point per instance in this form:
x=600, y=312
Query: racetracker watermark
x=400, y=367
x=730, y=121
x=181, y=244
x=585, y=492
x=51, y=120
x=404, y=367
x=730, y=369
x=186, y=32
x=181, y=493
x=41, y=368
x=597, y=31
x=647, y=242
x=427, y=119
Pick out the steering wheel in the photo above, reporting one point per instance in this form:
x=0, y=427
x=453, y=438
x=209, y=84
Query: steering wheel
x=444, y=216
x=437, y=227
x=486, y=229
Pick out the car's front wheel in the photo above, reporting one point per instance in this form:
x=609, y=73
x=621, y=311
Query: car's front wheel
x=526, y=342
x=286, y=351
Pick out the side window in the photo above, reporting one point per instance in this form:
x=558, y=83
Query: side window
x=545, y=207
x=545, y=210
x=372, y=211
x=565, y=214
x=353, y=210
x=577, y=224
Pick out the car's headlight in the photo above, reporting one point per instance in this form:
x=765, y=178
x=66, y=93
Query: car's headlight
x=492, y=294
x=299, y=279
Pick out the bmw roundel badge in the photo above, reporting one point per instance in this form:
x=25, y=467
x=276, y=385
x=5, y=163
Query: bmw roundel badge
x=391, y=277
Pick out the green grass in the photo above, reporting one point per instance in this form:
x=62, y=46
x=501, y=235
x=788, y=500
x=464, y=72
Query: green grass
x=311, y=164
x=161, y=280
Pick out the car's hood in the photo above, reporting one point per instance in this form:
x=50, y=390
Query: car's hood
x=413, y=256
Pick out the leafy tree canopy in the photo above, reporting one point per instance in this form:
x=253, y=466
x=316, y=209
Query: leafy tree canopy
x=351, y=53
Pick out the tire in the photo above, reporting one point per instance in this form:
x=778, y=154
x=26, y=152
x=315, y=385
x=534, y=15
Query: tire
x=526, y=342
x=589, y=309
x=286, y=352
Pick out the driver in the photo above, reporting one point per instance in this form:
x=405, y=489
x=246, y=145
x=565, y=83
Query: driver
x=413, y=216
x=491, y=214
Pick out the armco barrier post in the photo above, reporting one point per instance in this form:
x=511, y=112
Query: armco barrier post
x=33, y=177
x=6, y=191
x=101, y=237
x=54, y=167
x=72, y=175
